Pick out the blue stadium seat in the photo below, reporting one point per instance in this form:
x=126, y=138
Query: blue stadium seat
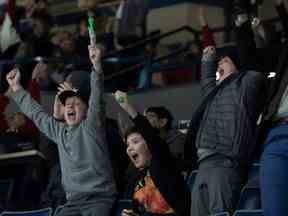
x=250, y=197
x=255, y=212
x=253, y=170
x=39, y=212
x=221, y=214
x=122, y=204
x=191, y=179
x=6, y=189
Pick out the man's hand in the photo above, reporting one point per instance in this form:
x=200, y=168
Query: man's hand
x=209, y=52
x=95, y=55
x=122, y=100
x=40, y=72
x=13, y=78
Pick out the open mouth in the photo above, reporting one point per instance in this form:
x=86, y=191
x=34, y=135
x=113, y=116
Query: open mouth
x=71, y=114
x=134, y=156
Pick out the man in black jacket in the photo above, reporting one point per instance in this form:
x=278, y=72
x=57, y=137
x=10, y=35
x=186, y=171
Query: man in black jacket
x=224, y=139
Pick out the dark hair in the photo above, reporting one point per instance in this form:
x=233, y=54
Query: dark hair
x=83, y=18
x=43, y=16
x=130, y=131
x=162, y=113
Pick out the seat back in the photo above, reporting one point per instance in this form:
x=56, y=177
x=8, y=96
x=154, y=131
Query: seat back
x=255, y=212
x=39, y=212
x=6, y=189
x=191, y=179
x=253, y=170
x=221, y=214
x=250, y=197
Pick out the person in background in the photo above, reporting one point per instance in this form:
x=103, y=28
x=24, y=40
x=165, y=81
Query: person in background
x=161, y=119
x=150, y=187
x=19, y=123
x=131, y=18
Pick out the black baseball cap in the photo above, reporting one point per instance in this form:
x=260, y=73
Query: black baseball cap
x=81, y=81
x=84, y=96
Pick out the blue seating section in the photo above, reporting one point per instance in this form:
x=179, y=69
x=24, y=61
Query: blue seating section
x=6, y=189
x=40, y=212
x=257, y=212
x=221, y=214
x=250, y=199
x=191, y=179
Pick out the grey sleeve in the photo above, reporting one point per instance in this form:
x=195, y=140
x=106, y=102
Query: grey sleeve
x=208, y=69
x=96, y=110
x=44, y=122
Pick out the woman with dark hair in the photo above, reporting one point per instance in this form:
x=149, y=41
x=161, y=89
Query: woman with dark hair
x=158, y=187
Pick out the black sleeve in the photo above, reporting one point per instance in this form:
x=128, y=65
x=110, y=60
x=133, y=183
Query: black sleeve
x=283, y=15
x=246, y=47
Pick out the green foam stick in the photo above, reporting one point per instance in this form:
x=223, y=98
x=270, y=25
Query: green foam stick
x=91, y=27
x=91, y=23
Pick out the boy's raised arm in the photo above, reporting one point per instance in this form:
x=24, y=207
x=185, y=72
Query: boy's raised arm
x=46, y=123
x=96, y=110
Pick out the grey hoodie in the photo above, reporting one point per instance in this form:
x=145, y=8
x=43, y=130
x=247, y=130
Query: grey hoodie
x=83, y=152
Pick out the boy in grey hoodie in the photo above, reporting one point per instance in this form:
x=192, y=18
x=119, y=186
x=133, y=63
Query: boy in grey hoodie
x=86, y=169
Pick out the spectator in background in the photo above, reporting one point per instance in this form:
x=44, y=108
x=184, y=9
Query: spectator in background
x=38, y=43
x=150, y=187
x=31, y=6
x=223, y=132
x=161, y=119
x=20, y=124
x=72, y=59
x=83, y=40
x=131, y=18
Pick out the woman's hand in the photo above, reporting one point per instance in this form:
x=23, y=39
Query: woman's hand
x=122, y=100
